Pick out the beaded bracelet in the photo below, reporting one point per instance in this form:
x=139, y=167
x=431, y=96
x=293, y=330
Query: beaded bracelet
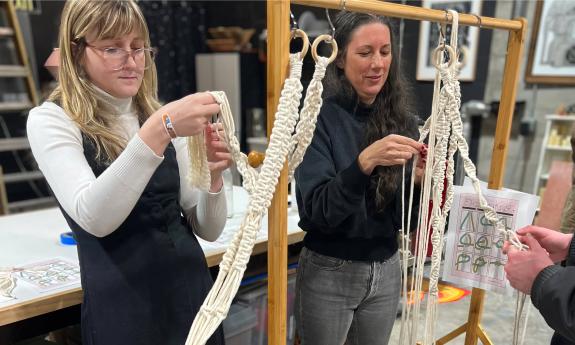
x=169, y=126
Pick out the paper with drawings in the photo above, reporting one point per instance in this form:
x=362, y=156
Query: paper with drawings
x=473, y=255
x=49, y=274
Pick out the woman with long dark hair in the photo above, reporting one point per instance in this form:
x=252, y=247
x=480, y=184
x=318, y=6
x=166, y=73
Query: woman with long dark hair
x=349, y=191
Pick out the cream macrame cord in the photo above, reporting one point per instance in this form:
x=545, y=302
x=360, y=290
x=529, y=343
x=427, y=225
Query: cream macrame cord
x=260, y=186
x=199, y=177
x=444, y=131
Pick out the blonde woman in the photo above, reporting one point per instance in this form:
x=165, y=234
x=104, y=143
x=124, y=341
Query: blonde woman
x=117, y=164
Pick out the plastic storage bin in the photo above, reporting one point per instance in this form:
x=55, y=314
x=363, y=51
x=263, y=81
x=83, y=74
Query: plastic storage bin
x=239, y=325
x=256, y=297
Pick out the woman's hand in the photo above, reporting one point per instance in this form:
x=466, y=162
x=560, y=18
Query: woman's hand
x=219, y=158
x=419, y=170
x=523, y=266
x=554, y=242
x=189, y=116
x=392, y=150
x=420, y=163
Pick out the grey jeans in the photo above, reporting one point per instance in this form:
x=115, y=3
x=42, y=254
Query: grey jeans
x=345, y=302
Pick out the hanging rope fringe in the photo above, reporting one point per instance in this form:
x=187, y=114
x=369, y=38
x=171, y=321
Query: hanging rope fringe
x=261, y=186
x=444, y=131
x=199, y=177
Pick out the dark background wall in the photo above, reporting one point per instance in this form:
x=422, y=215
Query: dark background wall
x=423, y=90
x=179, y=30
x=45, y=34
x=204, y=14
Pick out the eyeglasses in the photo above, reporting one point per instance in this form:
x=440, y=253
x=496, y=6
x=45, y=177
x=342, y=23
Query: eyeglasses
x=117, y=58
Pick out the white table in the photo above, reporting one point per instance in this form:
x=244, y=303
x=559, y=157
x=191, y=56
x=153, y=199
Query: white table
x=35, y=236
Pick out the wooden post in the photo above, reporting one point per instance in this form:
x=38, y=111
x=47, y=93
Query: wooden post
x=500, y=148
x=277, y=62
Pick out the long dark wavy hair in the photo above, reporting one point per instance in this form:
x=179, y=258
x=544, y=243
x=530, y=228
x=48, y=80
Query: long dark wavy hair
x=390, y=112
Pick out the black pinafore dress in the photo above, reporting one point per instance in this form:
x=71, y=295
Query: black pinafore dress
x=144, y=283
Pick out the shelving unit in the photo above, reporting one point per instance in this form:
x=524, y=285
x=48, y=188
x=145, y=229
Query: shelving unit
x=556, y=146
x=16, y=76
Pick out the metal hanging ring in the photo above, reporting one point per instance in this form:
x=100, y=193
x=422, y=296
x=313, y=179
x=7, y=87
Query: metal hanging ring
x=293, y=21
x=330, y=24
x=478, y=19
x=447, y=21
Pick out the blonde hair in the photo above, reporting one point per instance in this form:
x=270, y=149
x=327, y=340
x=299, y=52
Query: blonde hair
x=76, y=94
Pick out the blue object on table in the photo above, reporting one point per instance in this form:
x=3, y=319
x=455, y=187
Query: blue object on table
x=67, y=238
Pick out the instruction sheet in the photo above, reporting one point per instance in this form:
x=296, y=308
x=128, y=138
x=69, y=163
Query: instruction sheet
x=473, y=254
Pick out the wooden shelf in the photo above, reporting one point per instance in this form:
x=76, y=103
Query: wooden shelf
x=15, y=106
x=13, y=71
x=555, y=117
x=13, y=144
x=557, y=128
x=6, y=31
x=558, y=148
x=257, y=140
x=26, y=204
x=23, y=176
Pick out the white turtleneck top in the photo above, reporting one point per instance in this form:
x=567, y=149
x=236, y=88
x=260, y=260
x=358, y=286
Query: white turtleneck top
x=100, y=205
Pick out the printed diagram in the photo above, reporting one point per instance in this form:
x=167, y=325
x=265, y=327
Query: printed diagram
x=473, y=252
x=50, y=274
x=479, y=246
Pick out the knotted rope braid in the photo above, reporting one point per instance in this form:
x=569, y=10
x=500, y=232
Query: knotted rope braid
x=312, y=104
x=260, y=186
x=444, y=130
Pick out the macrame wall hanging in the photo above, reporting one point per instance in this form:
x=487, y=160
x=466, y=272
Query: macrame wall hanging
x=287, y=141
x=444, y=133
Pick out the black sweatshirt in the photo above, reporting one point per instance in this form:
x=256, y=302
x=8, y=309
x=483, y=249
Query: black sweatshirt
x=333, y=193
x=553, y=293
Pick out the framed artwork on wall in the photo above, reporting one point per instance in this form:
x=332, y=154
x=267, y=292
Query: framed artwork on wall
x=551, y=58
x=429, y=38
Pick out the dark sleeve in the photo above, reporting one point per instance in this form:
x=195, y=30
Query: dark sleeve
x=415, y=206
x=571, y=254
x=553, y=293
x=328, y=197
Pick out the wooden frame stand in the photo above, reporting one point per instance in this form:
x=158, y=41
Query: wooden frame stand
x=278, y=51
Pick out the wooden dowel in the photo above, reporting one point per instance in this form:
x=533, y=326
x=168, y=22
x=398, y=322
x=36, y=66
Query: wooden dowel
x=278, y=14
x=411, y=12
x=515, y=45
